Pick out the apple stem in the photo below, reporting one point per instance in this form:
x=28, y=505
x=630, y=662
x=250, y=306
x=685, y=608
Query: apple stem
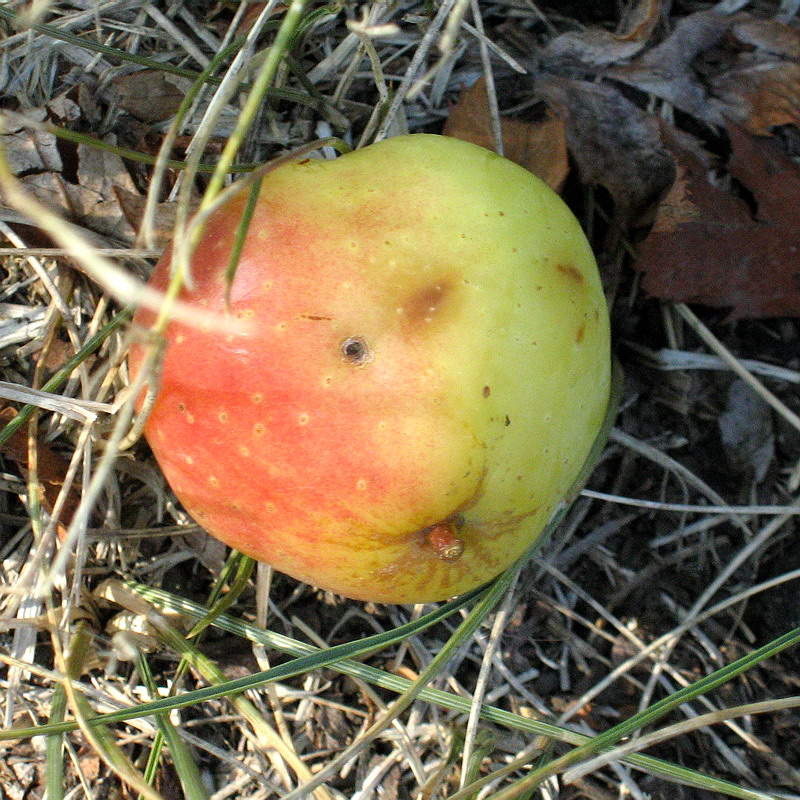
x=442, y=538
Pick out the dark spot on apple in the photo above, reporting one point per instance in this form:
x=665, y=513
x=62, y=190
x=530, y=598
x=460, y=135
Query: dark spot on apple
x=424, y=303
x=313, y=317
x=571, y=272
x=508, y=420
x=356, y=351
x=486, y=391
x=580, y=333
x=444, y=542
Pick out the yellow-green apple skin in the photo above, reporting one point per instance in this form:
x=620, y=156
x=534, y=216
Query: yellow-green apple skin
x=423, y=370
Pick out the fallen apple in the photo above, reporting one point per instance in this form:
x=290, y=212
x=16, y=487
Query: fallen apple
x=425, y=370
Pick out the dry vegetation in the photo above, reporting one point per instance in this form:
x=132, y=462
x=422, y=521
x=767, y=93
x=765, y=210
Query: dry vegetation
x=681, y=556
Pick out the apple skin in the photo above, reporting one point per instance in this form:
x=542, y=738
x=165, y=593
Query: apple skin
x=426, y=367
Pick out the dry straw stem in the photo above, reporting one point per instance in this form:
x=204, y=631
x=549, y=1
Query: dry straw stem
x=119, y=283
x=736, y=365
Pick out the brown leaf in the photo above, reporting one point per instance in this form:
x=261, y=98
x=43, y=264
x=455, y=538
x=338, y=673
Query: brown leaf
x=615, y=144
x=51, y=468
x=639, y=21
x=149, y=95
x=761, y=90
x=540, y=147
x=599, y=48
x=133, y=205
x=668, y=69
x=725, y=254
x=677, y=207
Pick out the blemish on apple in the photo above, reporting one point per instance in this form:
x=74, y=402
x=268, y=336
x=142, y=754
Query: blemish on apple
x=425, y=302
x=571, y=272
x=355, y=350
x=442, y=538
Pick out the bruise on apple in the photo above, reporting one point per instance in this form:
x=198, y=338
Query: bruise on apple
x=428, y=303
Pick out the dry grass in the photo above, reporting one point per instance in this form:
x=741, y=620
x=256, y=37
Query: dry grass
x=681, y=557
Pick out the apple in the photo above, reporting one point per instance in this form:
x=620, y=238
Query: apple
x=424, y=369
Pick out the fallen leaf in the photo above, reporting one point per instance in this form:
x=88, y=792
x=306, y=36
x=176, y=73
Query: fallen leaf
x=639, y=21
x=596, y=47
x=51, y=469
x=668, y=70
x=614, y=144
x=540, y=147
x=27, y=148
x=677, y=207
x=761, y=89
x=724, y=253
x=150, y=95
x=746, y=432
x=133, y=204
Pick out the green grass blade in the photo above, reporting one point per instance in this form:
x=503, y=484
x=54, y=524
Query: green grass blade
x=497, y=590
x=188, y=772
x=314, y=659
x=649, y=764
x=54, y=748
x=219, y=603
x=610, y=737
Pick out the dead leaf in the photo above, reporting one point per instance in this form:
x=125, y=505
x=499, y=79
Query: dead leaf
x=746, y=432
x=677, y=207
x=761, y=89
x=614, y=144
x=668, y=69
x=150, y=95
x=639, y=21
x=540, y=147
x=27, y=148
x=726, y=254
x=768, y=36
x=51, y=468
x=597, y=48
x=133, y=204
